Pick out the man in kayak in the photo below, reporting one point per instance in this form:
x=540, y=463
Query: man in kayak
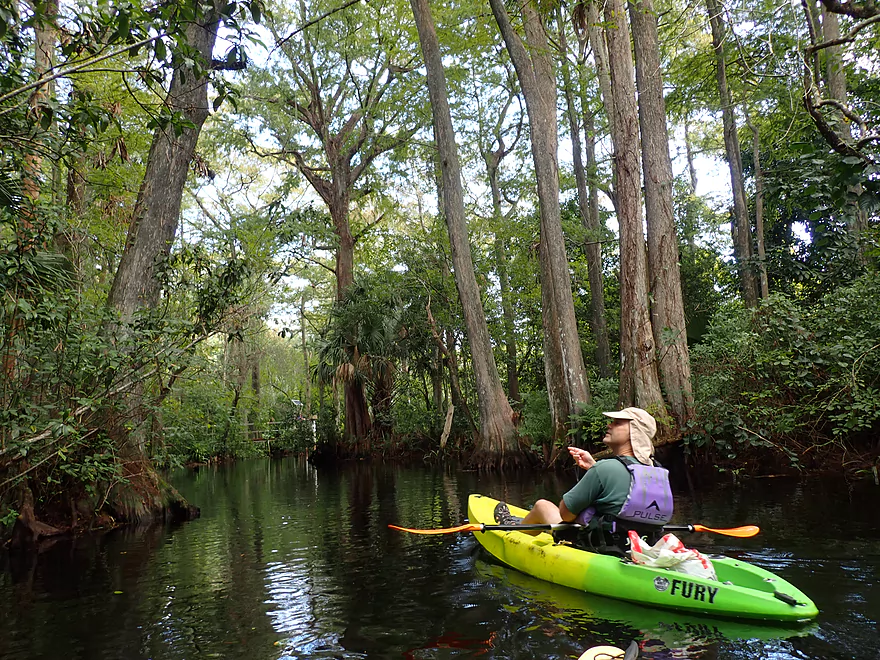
x=626, y=491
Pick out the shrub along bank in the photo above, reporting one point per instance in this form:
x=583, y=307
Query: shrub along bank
x=798, y=383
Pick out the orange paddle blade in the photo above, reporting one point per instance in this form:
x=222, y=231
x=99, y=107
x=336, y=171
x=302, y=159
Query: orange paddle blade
x=471, y=527
x=743, y=532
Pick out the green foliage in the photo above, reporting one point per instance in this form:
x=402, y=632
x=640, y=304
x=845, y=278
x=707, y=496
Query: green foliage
x=536, y=424
x=59, y=368
x=790, y=377
x=195, y=420
x=294, y=431
x=588, y=425
x=418, y=424
x=68, y=367
x=367, y=336
x=823, y=193
x=8, y=519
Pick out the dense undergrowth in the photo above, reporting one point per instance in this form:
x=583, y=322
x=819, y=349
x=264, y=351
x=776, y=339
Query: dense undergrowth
x=786, y=386
x=801, y=382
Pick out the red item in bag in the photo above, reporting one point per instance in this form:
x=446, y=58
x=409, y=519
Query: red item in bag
x=669, y=552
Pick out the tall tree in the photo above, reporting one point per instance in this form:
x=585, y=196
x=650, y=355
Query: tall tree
x=741, y=227
x=498, y=442
x=347, y=100
x=154, y=224
x=496, y=143
x=664, y=274
x=588, y=205
x=566, y=376
x=346, y=83
x=758, y=172
x=835, y=86
x=639, y=382
x=156, y=214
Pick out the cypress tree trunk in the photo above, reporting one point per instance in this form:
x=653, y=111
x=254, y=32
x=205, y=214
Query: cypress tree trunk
x=639, y=383
x=835, y=83
x=600, y=55
x=588, y=205
x=566, y=376
x=497, y=441
x=493, y=162
x=690, y=220
x=759, y=209
x=667, y=303
x=307, y=377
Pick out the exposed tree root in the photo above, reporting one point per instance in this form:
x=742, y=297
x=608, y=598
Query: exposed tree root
x=141, y=498
x=28, y=530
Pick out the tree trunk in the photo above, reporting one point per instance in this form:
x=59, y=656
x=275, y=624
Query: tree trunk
x=689, y=153
x=307, y=375
x=834, y=71
x=588, y=205
x=595, y=263
x=493, y=161
x=759, y=208
x=639, y=383
x=567, y=385
x=357, y=417
x=667, y=303
x=339, y=211
x=357, y=414
x=509, y=320
x=455, y=393
x=742, y=235
x=150, y=236
x=691, y=220
x=157, y=210
x=835, y=81
x=45, y=36
x=437, y=393
x=497, y=440
x=600, y=55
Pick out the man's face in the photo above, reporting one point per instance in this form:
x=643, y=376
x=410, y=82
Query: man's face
x=617, y=434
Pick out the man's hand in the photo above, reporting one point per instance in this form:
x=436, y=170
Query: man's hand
x=582, y=457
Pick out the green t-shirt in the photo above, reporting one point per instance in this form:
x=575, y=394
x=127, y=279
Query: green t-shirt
x=604, y=486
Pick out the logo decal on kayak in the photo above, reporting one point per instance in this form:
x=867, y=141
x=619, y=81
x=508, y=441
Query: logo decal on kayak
x=686, y=589
x=653, y=504
x=661, y=583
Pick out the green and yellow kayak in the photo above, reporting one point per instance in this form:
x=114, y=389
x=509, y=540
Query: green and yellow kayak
x=741, y=591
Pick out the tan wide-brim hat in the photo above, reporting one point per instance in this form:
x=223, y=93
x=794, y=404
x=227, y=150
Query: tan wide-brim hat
x=642, y=429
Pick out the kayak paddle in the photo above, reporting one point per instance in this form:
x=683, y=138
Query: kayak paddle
x=743, y=532
x=739, y=532
x=480, y=527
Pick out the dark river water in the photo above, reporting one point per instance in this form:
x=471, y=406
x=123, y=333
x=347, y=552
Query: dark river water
x=288, y=562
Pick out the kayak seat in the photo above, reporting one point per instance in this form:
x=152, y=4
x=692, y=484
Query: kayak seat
x=607, y=535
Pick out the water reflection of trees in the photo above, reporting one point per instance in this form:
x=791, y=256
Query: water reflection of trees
x=291, y=562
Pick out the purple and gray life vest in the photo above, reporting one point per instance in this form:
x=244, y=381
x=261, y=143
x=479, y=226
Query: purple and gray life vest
x=649, y=500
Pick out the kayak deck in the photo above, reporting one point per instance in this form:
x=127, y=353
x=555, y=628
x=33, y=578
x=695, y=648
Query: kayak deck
x=741, y=591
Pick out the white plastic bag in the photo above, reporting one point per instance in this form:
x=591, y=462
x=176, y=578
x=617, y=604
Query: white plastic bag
x=671, y=553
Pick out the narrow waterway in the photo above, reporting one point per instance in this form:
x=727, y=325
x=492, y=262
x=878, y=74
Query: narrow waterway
x=289, y=562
